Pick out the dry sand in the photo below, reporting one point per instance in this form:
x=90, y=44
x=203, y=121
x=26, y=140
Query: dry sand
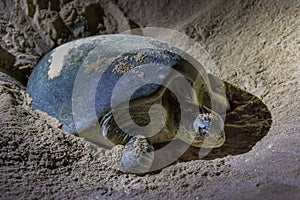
x=256, y=46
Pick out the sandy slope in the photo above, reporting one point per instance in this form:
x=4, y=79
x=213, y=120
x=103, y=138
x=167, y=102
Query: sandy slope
x=255, y=45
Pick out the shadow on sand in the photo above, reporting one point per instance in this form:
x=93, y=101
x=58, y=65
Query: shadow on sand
x=248, y=121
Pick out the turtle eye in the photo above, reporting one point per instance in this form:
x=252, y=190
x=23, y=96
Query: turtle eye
x=203, y=131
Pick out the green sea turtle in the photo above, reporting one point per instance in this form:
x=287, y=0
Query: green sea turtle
x=76, y=83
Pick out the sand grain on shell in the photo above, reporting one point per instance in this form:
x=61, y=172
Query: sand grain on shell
x=58, y=56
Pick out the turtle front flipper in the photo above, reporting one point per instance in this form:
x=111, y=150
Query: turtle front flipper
x=138, y=155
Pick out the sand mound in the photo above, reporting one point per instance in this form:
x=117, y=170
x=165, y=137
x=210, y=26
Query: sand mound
x=255, y=45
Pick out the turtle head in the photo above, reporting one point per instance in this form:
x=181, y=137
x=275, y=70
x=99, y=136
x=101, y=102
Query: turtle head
x=202, y=129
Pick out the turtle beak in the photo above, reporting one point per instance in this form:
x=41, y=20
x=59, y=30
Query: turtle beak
x=214, y=142
x=209, y=142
